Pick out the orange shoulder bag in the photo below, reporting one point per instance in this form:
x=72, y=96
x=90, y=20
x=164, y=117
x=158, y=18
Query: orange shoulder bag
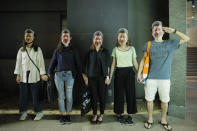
x=146, y=62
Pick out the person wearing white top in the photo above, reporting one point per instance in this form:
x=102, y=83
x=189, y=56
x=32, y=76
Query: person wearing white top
x=27, y=74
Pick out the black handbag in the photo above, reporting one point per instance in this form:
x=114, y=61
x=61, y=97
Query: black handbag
x=51, y=91
x=85, y=105
x=85, y=102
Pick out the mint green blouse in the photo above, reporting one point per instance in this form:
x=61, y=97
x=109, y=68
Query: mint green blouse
x=124, y=58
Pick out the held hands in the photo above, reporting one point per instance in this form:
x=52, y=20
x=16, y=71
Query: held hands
x=85, y=78
x=107, y=80
x=86, y=81
x=44, y=77
x=168, y=30
x=18, y=79
x=139, y=78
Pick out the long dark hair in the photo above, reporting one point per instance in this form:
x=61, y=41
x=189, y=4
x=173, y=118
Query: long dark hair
x=60, y=45
x=35, y=41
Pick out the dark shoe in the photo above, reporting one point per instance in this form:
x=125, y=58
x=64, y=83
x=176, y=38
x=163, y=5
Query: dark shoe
x=129, y=121
x=121, y=119
x=100, y=119
x=63, y=120
x=149, y=125
x=166, y=126
x=68, y=119
x=94, y=119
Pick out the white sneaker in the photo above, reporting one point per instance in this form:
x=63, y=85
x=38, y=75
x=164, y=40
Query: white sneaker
x=23, y=116
x=38, y=116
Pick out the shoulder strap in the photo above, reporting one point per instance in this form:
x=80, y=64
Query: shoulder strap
x=148, y=48
x=32, y=60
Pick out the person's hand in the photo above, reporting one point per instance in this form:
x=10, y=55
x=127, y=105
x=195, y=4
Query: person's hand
x=139, y=77
x=86, y=81
x=44, y=77
x=168, y=30
x=18, y=79
x=107, y=81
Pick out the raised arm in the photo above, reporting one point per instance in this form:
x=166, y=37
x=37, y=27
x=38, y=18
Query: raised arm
x=183, y=38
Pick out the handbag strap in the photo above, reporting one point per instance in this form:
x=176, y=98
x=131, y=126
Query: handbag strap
x=32, y=61
x=148, y=48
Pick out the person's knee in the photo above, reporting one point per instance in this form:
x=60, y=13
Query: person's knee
x=69, y=96
x=149, y=102
x=61, y=96
x=164, y=102
x=150, y=98
x=69, y=99
x=165, y=99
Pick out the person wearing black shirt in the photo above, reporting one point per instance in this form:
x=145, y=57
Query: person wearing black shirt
x=96, y=74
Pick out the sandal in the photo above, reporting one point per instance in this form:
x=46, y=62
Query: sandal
x=149, y=125
x=166, y=126
x=100, y=119
x=94, y=119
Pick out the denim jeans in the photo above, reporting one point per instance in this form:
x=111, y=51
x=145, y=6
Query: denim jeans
x=64, y=83
x=24, y=94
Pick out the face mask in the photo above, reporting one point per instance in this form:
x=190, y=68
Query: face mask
x=157, y=33
x=122, y=40
x=65, y=40
x=97, y=43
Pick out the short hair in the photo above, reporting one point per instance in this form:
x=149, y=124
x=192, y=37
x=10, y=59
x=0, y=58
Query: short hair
x=156, y=23
x=65, y=31
x=123, y=30
x=29, y=31
x=98, y=33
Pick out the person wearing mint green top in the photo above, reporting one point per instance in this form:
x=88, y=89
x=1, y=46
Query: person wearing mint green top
x=121, y=55
x=124, y=59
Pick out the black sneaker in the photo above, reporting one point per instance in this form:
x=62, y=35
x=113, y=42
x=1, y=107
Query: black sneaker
x=121, y=119
x=68, y=119
x=62, y=120
x=129, y=121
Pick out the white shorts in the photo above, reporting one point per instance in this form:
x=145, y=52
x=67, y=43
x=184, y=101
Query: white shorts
x=163, y=87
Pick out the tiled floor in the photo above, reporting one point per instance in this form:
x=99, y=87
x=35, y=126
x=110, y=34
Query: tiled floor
x=9, y=122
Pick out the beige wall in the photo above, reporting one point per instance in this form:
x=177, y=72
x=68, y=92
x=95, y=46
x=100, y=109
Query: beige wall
x=191, y=30
x=192, y=33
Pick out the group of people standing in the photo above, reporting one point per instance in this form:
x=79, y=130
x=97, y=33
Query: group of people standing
x=97, y=73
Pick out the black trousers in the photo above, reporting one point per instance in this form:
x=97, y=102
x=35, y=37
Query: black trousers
x=98, y=92
x=24, y=95
x=124, y=84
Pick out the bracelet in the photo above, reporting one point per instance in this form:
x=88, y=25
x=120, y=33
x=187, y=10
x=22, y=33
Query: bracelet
x=174, y=31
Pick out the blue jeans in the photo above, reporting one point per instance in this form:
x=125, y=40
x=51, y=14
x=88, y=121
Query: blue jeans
x=64, y=83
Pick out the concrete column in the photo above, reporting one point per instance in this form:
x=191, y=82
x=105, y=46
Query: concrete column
x=177, y=20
